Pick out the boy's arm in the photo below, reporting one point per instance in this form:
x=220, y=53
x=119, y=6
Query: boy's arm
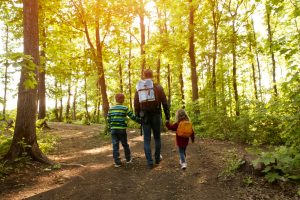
x=133, y=117
x=108, y=118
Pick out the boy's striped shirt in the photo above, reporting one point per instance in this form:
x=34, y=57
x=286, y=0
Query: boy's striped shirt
x=117, y=117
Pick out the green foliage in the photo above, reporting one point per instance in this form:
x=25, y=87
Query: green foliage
x=248, y=180
x=5, y=141
x=232, y=164
x=46, y=141
x=281, y=163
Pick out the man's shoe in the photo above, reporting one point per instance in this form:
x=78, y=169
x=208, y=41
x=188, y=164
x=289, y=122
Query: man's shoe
x=150, y=166
x=158, y=161
x=117, y=165
x=129, y=161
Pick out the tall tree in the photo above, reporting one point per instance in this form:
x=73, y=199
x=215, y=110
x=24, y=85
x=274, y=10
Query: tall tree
x=141, y=13
x=216, y=12
x=25, y=129
x=193, y=65
x=271, y=45
x=233, y=8
x=97, y=47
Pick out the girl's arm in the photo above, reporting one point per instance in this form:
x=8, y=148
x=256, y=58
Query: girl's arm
x=193, y=136
x=172, y=127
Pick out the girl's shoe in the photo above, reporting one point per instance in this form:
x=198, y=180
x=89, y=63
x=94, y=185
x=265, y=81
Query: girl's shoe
x=183, y=165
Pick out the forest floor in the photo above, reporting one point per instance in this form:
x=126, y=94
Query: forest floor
x=93, y=175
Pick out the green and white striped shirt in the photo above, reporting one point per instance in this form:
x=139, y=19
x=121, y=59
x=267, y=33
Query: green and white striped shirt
x=117, y=117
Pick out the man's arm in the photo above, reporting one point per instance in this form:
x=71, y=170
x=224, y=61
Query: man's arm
x=136, y=104
x=164, y=102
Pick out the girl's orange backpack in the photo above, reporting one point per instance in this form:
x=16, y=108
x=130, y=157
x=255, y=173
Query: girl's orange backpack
x=185, y=129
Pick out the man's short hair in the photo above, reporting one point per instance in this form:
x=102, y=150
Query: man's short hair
x=148, y=73
x=119, y=98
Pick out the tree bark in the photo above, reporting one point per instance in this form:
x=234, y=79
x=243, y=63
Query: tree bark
x=216, y=16
x=25, y=128
x=86, y=100
x=181, y=87
x=42, y=78
x=74, y=107
x=257, y=59
x=270, y=39
x=129, y=70
x=120, y=72
x=251, y=58
x=169, y=84
x=100, y=67
x=234, y=75
x=5, y=73
x=68, y=103
x=192, y=57
x=143, y=36
x=56, y=102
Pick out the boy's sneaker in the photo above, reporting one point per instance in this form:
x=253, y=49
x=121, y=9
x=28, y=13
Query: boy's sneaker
x=183, y=165
x=129, y=161
x=117, y=165
x=180, y=163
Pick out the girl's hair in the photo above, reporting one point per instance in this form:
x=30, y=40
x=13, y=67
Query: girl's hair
x=181, y=115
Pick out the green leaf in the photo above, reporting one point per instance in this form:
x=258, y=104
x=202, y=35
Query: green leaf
x=272, y=176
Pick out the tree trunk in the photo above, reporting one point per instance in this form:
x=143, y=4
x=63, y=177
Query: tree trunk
x=129, y=70
x=5, y=73
x=42, y=75
x=181, y=87
x=68, y=103
x=74, y=102
x=158, y=66
x=257, y=60
x=25, y=128
x=120, y=72
x=251, y=58
x=56, y=103
x=192, y=57
x=98, y=59
x=216, y=21
x=60, y=117
x=143, y=37
x=169, y=85
x=86, y=100
x=101, y=77
x=270, y=38
x=234, y=76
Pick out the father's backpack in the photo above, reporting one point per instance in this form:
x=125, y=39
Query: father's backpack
x=185, y=129
x=145, y=89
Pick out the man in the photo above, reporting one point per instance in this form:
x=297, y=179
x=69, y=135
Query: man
x=147, y=103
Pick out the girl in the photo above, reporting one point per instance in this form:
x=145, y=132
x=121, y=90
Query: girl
x=181, y=142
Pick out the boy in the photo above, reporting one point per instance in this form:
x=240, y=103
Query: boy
x=117, y=123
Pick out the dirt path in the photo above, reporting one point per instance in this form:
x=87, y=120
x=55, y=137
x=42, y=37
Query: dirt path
x=98, y=179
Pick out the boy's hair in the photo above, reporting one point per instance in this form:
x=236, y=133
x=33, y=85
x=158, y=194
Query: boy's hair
x=181, y=115
x=119, y=98
x=147, y=73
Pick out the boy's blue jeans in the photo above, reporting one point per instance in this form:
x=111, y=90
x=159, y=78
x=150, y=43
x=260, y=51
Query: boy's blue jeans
x=153, y=123
x=182, y=154
x=117, y=136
